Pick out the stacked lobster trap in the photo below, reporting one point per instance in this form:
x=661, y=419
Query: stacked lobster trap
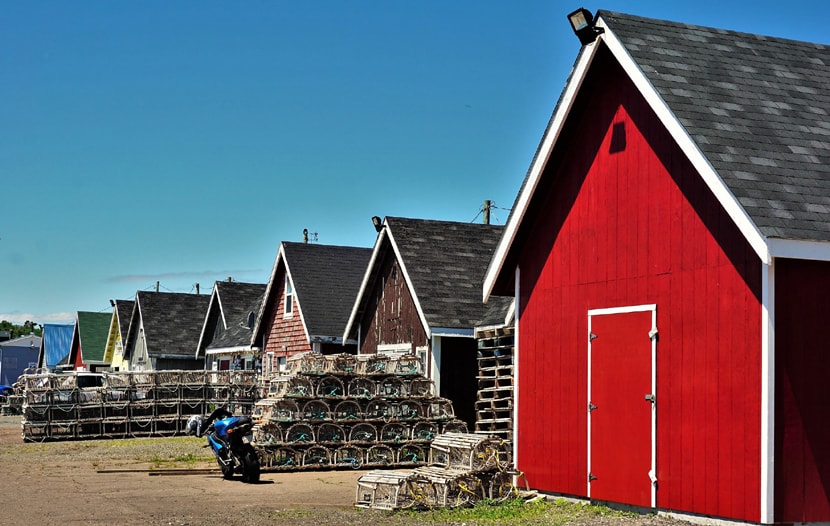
x=350, y=411
x=128, y=404
x=464, y=469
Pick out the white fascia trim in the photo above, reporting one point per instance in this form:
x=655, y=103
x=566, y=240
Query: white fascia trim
x=412, y=292
x=516, y=291
x=545, y=149
x=623, y=310
x=446, y=331
x=768, y=393
x=296, y=305
x=267, y=296
x=724, y=196
x=365, y=283
x=510, y=316
x=214, y=297
x=793, y=249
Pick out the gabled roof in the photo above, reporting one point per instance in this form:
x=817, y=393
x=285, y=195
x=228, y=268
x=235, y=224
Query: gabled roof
x=443, y=263
x=57, y=342
x=326, y=279
x=172, y=322
x=119, y=325
x=90, y=336
x=232, y=303
x=123, y=311
x=750, y=112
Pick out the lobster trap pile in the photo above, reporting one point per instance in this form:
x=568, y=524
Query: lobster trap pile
x=464, y=469
x=128, y=404
x=350, y=411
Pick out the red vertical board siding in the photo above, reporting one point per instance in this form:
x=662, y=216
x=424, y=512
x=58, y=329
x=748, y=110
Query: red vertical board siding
x=285, y=336
x=802, y=399
x=79, y=359
x=621, y=218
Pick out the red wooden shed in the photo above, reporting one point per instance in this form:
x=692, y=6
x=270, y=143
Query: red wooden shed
x=669, y=255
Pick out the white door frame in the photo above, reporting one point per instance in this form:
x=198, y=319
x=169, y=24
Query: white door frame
x=653, y=334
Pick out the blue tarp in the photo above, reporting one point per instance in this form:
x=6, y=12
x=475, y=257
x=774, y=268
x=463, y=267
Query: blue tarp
x=57, y=342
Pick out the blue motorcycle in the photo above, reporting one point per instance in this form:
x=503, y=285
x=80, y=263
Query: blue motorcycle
x=229, y=437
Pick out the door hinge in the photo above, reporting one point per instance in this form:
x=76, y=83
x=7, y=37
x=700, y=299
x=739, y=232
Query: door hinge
x=651, y=398
x=591, y=406
x=652, y=477
x=591, y=477
x=591, y=336
x=653, y=334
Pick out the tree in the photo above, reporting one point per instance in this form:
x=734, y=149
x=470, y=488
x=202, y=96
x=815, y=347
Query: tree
x=16, y=331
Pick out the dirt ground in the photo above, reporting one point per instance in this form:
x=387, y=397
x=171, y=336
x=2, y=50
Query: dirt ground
x=118, y=483
x=86, y=482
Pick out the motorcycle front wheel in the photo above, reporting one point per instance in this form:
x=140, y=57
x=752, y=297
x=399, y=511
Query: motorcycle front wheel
x=250, y=465
x=227, y=469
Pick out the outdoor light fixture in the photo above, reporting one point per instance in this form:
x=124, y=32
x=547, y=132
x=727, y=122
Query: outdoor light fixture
x=377, y=222
x=582, y=22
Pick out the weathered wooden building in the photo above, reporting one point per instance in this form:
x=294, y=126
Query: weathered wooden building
x=164, y=331
x=669, y=254
x=421, y=295
x=307, y=301
x=225, y=341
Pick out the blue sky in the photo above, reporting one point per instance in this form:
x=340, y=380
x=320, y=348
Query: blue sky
x=180, y=142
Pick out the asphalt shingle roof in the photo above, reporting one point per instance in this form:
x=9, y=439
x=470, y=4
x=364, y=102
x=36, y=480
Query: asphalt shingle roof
x=172, y=321
x=124, y=309
x=756, y=106
x=446, y=262
x=236, y=300
x=326, y=281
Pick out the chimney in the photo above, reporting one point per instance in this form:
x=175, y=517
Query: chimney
x=230, y=279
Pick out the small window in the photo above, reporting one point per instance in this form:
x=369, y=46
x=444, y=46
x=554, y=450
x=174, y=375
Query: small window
x=289, y=297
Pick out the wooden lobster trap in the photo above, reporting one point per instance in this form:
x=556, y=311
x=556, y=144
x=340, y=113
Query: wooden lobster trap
x=308, y=363
x=469, y=452
x=267, y=434
x=330, y=387
x=385, y=490
x=341, y=364
x=361, y=387
x=452, y=488
x=348, y=411
x=373, y=364
x=363, y=433
x=280, y=458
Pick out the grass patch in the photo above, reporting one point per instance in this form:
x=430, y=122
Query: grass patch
x=516, y=512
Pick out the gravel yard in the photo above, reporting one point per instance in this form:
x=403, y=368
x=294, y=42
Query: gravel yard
x=111, y=482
